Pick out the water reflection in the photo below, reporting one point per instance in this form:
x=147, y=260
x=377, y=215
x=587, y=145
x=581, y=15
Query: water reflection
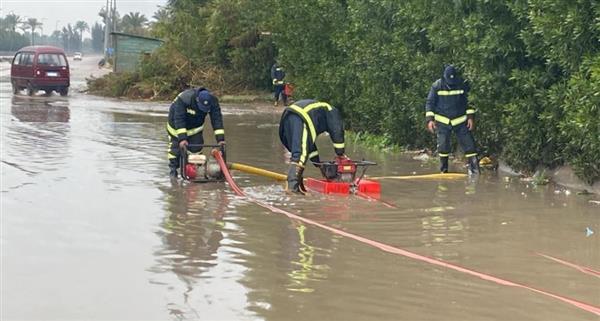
x=40, y=109
x=191, y=233
x=304, y=259
x=39, y=141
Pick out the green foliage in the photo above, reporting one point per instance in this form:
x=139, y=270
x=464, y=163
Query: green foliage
x=97, y=32
x=532, y=65
x=373, y=142
x=12, y=41
x=114, y=85
x=377, y=60
x=581, y=126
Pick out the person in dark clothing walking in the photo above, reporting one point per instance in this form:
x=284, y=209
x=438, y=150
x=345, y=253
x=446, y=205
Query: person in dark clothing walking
x=299, y=127
x=447, y=111
x=186, y=122
x=277, y=76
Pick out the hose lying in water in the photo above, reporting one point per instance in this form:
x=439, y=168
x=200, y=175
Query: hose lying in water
x=580, y=268
x=425, y=176
x=395, y=250
x=281, y=177
x=257, y=171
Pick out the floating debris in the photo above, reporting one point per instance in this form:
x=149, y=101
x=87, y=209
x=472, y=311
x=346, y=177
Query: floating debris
x=422, y=157
x=588, y=232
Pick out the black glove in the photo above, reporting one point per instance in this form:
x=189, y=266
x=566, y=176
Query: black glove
x=295, y=181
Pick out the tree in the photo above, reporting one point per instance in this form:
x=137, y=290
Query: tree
x=10, y=40
x=81, y=26
x=161, y=14
x=11, y=22
x=70, y=38
x=97, y=37
x=32, y=23
x=134, y=22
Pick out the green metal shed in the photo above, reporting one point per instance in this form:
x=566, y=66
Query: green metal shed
x=129, y=50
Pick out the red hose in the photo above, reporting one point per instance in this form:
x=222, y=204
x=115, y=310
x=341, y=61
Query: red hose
x=391, y=249
x=217, y=154
x=583, y=269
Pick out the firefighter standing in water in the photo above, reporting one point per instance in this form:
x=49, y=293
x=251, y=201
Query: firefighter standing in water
x=299, y=127
x=277, y=75
x=186, y=121
x=447, y=111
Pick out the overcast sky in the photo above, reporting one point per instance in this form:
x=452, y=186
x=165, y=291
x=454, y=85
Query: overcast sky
x=55, y=14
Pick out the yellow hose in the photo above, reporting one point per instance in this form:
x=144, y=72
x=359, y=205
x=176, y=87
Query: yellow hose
x=425, y=176
x=257, y=171
x=281, y=177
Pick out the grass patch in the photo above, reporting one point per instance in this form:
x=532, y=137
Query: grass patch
x=373, y=142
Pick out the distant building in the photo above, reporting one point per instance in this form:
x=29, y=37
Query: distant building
x=129, y=50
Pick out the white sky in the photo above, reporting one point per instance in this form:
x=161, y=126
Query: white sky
x=55, y=14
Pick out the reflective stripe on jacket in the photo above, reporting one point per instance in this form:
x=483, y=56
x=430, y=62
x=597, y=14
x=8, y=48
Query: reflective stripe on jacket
x=448, y=104
x=187, y=119
x=319, y=117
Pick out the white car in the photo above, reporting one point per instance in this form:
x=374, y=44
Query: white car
x=77, y=56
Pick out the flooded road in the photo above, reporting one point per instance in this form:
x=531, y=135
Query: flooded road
x=93, y=229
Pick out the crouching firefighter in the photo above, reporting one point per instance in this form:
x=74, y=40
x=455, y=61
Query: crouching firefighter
x=299, y=127
x=186, y=121
x=446, y=111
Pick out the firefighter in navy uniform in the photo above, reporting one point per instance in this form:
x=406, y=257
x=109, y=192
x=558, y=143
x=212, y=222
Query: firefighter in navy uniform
x=299, y=127
x=186, y=121
x=446, y=111
x=277, y=75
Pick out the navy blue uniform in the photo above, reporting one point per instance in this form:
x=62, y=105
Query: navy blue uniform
x=302, y=122
x=186, y=121
x=277, y=76
x=447, y=105
x=300, y=125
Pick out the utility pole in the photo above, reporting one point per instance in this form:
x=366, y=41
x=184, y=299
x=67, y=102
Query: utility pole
x=114, y=15
x=107, y=25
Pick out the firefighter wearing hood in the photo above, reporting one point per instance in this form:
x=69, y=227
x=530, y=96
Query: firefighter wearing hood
x=186, y=123
x=299, y=127
x=447, y=111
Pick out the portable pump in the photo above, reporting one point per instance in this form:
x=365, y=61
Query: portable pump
x=340, y=178
x=197, y=167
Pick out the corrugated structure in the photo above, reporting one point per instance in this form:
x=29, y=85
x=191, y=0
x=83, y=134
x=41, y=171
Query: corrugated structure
x=129, y=50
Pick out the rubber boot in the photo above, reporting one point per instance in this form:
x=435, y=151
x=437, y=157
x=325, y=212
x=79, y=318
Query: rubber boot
x=444, y=164
x=473, y=166
x=295, y=181
x=173, y=164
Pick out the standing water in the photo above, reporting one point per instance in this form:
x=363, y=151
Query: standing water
x=92, y=228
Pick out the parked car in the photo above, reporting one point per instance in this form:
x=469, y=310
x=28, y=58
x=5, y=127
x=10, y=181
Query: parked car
x=40, y=68
x=77, y=56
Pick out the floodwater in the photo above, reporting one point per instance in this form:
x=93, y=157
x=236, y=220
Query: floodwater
x=93, y=229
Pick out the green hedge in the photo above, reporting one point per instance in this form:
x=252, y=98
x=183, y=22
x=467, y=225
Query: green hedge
x=533, y=65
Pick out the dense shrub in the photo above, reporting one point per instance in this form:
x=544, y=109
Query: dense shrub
x=532, y=65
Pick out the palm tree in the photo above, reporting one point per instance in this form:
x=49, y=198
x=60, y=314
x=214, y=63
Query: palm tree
x=32, y=23
x=134, y=22
x=81, y=26
x=67, y=35
x=161, y=14
x=12, y=21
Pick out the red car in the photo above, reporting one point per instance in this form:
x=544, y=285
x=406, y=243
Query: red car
x=40, y=68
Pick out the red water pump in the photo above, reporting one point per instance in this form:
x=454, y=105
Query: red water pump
x=197, y=167
x=340, y=178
